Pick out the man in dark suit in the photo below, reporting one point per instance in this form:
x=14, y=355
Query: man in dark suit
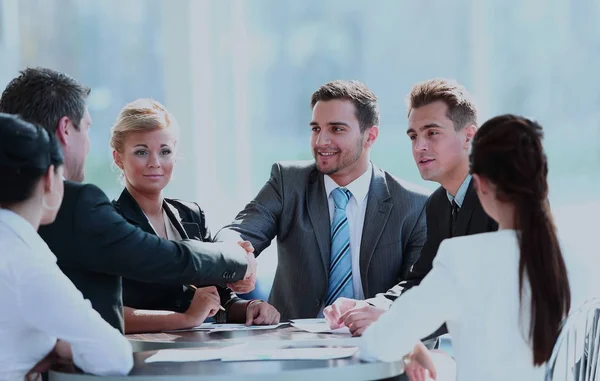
x=343, y=226
x=442, y=121
x=94, y=245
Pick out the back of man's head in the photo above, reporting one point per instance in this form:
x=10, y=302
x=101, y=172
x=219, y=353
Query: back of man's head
x=44, y=96
x=461, y=107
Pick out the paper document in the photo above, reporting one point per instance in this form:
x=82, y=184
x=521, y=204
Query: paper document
x=317, y=326
x=242, y=327
x=213, y=327
x=201, y=327
x=319, y=353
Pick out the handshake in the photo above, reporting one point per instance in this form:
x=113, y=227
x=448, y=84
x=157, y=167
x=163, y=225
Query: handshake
x=247, y=284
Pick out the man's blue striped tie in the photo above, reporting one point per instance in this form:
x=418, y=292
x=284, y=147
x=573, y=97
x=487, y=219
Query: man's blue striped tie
x=340, y=268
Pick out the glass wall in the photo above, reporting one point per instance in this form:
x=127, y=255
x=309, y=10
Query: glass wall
x=239, y=74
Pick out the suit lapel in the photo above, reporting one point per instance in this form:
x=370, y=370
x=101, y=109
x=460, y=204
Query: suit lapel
x=466, y=212
x=318, y=212
x=132, y=212
x=444, y=218
x=185, y=229
x=379, y=207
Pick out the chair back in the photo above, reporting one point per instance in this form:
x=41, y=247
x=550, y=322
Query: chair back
x=576, y=353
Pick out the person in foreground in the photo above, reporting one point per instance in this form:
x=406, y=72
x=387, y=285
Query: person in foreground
x=442, y=120
x=43, y=315
x=144, y=143
x=344, y=227
x=95, y=246
x=502, y=294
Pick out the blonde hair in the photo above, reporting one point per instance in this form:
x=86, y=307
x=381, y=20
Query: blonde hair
x=140, y=115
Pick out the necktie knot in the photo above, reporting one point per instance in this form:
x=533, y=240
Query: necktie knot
x=341, y=196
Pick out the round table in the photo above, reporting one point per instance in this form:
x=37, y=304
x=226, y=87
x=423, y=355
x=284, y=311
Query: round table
x=351, y=368
x=195, y=339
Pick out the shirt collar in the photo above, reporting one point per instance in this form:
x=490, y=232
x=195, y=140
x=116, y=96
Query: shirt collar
x=461, y=193
x=359, y=187
x=24, y=230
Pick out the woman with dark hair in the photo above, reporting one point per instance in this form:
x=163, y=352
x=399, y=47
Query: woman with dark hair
x=504, y=294
x=44, y=317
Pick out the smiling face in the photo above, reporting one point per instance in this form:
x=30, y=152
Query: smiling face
x=148, y=159
x=339, y=148
x=438, y=149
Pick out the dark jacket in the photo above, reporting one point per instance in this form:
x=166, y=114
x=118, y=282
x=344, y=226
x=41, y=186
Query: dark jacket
x=95, y=246
x=189, y=220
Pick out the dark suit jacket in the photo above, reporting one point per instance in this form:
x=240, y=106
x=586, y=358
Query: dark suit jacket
x=95, y=246
x=472, y=219
x=292, y=206
x=189, y=220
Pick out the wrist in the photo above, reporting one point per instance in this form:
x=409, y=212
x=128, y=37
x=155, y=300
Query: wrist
x=251, y=302
x=188, y=319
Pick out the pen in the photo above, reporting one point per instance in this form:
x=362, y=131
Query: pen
x=191, y=286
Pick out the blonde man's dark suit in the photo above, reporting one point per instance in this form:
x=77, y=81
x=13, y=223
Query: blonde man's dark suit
x=292, y=206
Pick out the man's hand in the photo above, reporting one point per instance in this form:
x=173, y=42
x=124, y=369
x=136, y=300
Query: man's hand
x=249, y=282
x=334, y=312
x=251, y=270
x=261, y=313
x=206, y=302
x=243, y=286
x=60, y=354
x=418, y=365
x=360, y=317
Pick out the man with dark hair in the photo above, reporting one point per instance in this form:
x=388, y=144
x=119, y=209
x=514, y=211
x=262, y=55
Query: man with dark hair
x=93, y=244
x=58, y=103
x=442, y=120
x=344, y=227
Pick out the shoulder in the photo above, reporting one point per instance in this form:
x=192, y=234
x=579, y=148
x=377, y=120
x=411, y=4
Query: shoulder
x=297, y=168
x=477, y=248
x=84, y=190
x=403, y=188
x=12, y=244
x=292, y=175
x=438, y=196
x=81, y=198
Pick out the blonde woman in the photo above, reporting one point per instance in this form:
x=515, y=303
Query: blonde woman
x=144, y=142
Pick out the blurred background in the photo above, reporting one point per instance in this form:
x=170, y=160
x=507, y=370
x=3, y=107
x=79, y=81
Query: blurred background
x=238, y=76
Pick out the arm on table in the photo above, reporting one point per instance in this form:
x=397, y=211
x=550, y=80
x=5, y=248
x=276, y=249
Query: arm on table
x=417, y=313
x=51, y=303
x=206, y=303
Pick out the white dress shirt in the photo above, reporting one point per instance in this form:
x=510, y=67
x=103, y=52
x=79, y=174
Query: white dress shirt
x=40, y=305
x=474, y=288
x=355, y=213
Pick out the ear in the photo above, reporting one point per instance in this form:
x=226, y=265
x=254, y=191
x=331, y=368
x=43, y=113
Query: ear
x=117, y=159
x=64, y=130
x=470, y=132
x=48, y=180
x=372, y=133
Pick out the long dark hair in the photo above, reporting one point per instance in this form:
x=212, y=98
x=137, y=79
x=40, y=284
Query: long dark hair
x=507, y=150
